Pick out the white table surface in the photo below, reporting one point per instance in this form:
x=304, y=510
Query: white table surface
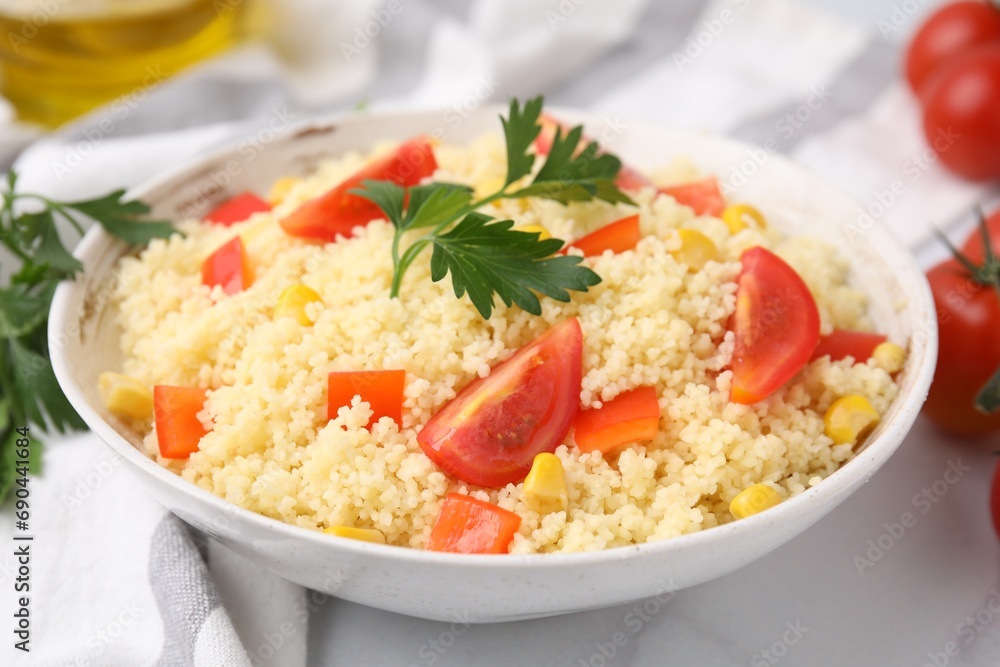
x=929, y=593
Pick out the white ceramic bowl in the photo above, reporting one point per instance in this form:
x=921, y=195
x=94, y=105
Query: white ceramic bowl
x=448, y=587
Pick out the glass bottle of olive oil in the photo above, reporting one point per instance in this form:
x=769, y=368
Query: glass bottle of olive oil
x=61, y=58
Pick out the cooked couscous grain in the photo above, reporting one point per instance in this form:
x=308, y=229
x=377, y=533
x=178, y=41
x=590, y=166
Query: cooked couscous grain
x=273, y=448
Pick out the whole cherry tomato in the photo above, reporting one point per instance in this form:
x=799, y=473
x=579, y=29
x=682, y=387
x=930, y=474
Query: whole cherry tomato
x=952, y=31
x=968, y=322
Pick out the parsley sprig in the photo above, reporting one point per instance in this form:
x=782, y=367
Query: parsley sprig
x=489, y=258
x=29, y=393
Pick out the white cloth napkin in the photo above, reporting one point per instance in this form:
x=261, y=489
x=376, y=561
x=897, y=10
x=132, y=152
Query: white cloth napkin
x=120, y=583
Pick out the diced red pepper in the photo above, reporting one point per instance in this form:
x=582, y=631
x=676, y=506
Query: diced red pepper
x=617, y=237
x=229, y=267
x=842, y=343
x=470, y=526
x=382, y=390
x=237, y=209
x=338, y=211
x=704, y=196
x=629, y=417
x=175, y=411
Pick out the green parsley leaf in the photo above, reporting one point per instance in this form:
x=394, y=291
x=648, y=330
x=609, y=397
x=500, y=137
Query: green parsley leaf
x=520, y=129
x=566, y=177
x=37, y=388
x=122, y=218
x=387, y=196
x=50, y=250
x=29, y=392
x=488, y=258
x=434, y=203
x=21, y=311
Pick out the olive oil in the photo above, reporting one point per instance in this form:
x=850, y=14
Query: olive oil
x=61, y=58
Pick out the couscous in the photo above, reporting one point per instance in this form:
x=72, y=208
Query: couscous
x=286, y=378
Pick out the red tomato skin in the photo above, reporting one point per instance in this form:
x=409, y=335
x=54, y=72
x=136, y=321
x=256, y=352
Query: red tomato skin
x=382, y=390
x=228, y=266
x=962, y=114
x=969, y=350
x=470, y=526
x=617, y=237
x=995, y=500
x=490, y=432
x=949, y=33
x=841, y=344
x=776, y=325
x=337, y=212
x=704, y=197
x=237, y=209
x=175, y=411
x=973, y=247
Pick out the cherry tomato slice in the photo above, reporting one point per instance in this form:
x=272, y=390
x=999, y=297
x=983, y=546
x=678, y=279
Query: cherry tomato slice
x=382, y=390
x=842, y=343
x=776, y=325
x=228, y=266
x=704, y=196
x=470, y=526
x=490, y=433
x=237, y=209
x=175, y=411
x=618, y=236
x=338, y=212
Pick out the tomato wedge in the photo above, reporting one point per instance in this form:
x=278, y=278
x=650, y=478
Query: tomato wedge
x=490, y=433
x=628, y=178
x=704, y=196
x=776, y=325
x=617, y=237
x=842, y=343
x=382, y=390
x=628, y=417
x=338, y=212
x=228, y=266
x=470, y=526
x=237, y=209
x=175, y=411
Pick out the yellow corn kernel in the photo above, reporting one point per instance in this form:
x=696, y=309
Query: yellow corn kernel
x=281, y=188
x=696, y=250
x=850, y=419
x=125, y=396
x=740, y=216
x=754, y=499
x=545, y=486
x=889, y=357
x=543, y=233
x=363, y=534
x=293, y=301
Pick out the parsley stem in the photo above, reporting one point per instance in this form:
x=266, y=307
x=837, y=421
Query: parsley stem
x=401, y=264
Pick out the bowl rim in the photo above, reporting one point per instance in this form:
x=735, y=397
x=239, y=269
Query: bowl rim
x=866, y=462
